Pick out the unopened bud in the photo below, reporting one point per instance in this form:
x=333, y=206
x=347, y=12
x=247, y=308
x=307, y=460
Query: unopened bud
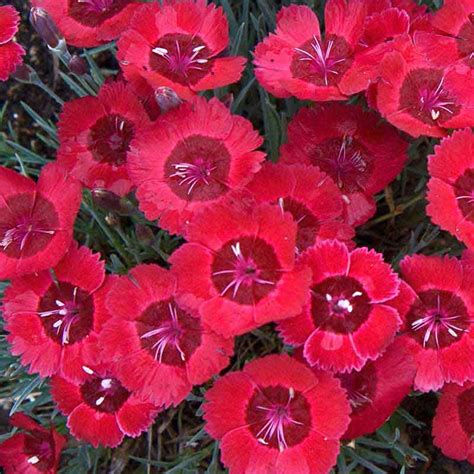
x=26, y=74
x=167, y=99
x=45, y=27
x=144, y=234
x=78, y=65
x=228, y=100
x=109, y=201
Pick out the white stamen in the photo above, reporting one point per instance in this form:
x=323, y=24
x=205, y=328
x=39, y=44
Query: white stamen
x=33, y=460
x=87, y=370
x=106, y=383
x=99, y=401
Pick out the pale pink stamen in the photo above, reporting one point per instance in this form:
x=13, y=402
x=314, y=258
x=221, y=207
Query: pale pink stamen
x=320, y=57
x=169, y=333
x=345, y=163
x=357, y=399
x=98, y=6
x=434, y=101
x=21, y=233
x=179, y=62
x=245, y=272
x=192, y=174
x=278, y=417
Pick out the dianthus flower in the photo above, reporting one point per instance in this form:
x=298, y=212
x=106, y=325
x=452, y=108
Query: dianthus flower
x=239, y=268
x=158, y=349
x=346, y=320
x=451, y=186
x=95, y=135
x=421, y=98
x=309, y=195
x=11, y=53
x=277, y=416
x=436, y=305
x=35, y=450
x=453, y=37
x=100, y=410
x=376, y=391
x=297, y=61
x=177, y=45
x=453, y=423
x=88, y=23
x=190, y=158
x=36, y=219
x=359, y=152
x=52, y=317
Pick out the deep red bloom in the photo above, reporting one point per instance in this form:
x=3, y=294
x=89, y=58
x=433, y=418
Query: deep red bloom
x=35, y=450
x=453, y=424
x=453, y=38
x=159, y=349
x=358, y=151
x=346, y=320
x=376, y=391
x=51, y=316
x=176, y=45
x=309, y=195
x=36, y=220
x=298, y=61
x=11, y=53
x=100, y=410
x=436, y=305
x=190, y=158
x=87, y=23
x=277, y=416
x=421, y=98
x=451, y=186
x=95, y=135
x=239, y=267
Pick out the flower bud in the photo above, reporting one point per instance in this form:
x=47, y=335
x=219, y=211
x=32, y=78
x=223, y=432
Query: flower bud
x=167, y=99
x=78, y=65
x=45, y=27
x=26, y=74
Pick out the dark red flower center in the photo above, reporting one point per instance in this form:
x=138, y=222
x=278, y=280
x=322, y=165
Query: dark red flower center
x=198, y=168
x=425, y=98
x=465, y=41
x=182, y=58
x=104, y=394
x=168, y=333
x=93, y=13
x=67, y=313
x=464, y=190
x=308, y=223
x=466, y=411
x=109, y=139
x=339, y=304
x=246, y=270
x=279, y=417
x=28, y=223
x=322, y=62
x=437, y=319
x=39, y=450
x=360, y=387
x=346, y=161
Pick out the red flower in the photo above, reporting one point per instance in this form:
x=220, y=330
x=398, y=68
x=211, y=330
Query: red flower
x=191, y=157
x=11, y=53
x=100, y=410
x=159, y=349
x=52, y=317
x=376, y=391
x=453, y=38
x=346, y=321
x=451, y=186
x=95, y=135
x=176, y=45
x=36, y=220
x=239, y=268
x=453, y=424
x=437, y=308
x=277, y=416
x=297, y=61
x=34, y=451
x=87, y=23
x=312, y=198
x=360, y=153
x=422, y=99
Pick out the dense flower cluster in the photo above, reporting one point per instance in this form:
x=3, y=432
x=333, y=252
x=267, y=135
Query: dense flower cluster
x=264, y=242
